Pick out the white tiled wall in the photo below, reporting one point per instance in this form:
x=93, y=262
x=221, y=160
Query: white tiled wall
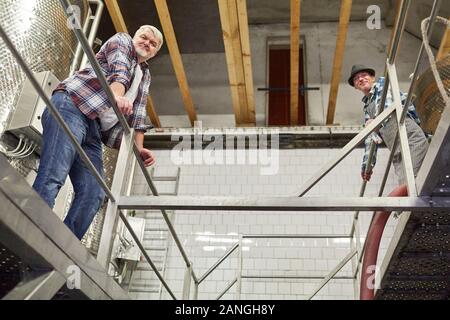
x=206, y=235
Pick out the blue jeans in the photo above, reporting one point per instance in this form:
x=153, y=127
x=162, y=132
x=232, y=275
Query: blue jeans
x=59, y=158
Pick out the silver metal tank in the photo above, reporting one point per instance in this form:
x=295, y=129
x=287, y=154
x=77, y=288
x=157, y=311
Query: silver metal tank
x=39, y=30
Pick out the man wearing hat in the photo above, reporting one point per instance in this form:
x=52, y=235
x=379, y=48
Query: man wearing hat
x=362, y=78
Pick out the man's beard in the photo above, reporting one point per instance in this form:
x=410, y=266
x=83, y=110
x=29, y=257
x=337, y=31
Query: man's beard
x=143, y=53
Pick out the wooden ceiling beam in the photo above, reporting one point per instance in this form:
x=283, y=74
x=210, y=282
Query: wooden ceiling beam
x=234, y=21
x=229, y=54
x=294, y=58
x=246, y=60
x=344, y=18
x=175, y=56
x=152, y=113
x=116, y=15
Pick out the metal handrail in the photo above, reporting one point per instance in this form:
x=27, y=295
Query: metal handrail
x=95, y=65
x=295, y=236
x=391, y=59
x=227, y=288
x=144, y=253
x=226, y=255
x=325, y=279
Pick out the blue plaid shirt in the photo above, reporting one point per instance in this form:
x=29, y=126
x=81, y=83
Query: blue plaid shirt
x=375, y=95
x=118, y=60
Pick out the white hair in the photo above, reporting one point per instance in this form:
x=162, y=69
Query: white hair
x=155, y=32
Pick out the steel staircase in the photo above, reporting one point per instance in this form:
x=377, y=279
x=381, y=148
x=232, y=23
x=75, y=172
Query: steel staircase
x=156, y=243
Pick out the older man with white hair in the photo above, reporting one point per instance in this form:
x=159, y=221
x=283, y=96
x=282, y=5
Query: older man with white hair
x=86, y=109
x=363, y=79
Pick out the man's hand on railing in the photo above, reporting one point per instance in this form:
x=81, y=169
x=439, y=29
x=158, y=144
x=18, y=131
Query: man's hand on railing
x=366, y=175
x=124, y=105
x=147, y=156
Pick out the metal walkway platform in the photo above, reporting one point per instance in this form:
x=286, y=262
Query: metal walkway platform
x=33, y=235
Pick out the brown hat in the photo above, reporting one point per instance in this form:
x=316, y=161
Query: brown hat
x=359, y=68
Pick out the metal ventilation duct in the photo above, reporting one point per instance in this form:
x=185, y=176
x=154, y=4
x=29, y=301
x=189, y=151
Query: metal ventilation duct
x=39, y=30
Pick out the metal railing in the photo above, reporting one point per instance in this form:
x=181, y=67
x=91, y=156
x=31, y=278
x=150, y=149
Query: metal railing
x=239, y=275
x=129, y=148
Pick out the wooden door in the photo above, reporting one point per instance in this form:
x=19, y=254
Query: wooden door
x=279, y=84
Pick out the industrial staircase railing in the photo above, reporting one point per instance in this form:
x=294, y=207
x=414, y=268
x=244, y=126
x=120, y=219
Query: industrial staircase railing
x=95, y=271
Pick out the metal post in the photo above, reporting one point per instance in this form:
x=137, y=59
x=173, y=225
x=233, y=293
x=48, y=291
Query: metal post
x=111, y=214
x=404, y=145
x=94, y=28
x=195, y=291
x=239, y=270
x=79, y=49
x=187, y=283
x=399, y=27
x=355, y=262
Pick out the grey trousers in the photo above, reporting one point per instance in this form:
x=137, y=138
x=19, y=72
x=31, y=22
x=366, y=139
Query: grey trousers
x=418, y=145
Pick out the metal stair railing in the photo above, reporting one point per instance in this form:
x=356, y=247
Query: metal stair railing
x=239, y=276
x=163, y=237
x=128, y=147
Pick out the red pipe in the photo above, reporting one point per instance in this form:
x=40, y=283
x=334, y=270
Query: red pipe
x=373, y=244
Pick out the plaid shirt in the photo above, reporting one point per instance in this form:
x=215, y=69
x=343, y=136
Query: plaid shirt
x=375, y=95
x=118, y=60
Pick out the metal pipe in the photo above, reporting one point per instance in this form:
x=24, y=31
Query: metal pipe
x=144, y=253
x=226, y=255
x=294, y=236
x=101, y=77
x=98, y=71
x=194, y=277
x=284, y=204
x=332, y=273
x=380, y=193
x=399, y=30
x=434, y=12
x=239, y=270
x=402, y=133
x=226, y=289
x=187, y=283
x=295, y=277
x=55, y=114
x=346, y=150
x=164, y=213
x=195, y=291
x=94, y=28
x=79, y=49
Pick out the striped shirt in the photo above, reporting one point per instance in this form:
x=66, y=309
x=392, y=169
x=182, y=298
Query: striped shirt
x=375, y=96
x=118, y=60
